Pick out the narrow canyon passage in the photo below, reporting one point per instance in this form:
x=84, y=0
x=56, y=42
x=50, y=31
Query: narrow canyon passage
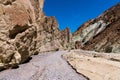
x=47, y=66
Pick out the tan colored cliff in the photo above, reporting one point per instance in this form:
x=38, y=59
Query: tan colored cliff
x=25, y=30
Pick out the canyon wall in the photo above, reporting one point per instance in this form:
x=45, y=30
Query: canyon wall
x=100, y=34
x=25, y=30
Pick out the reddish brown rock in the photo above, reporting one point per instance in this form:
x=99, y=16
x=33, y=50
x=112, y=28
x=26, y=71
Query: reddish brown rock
x=102, y=33
x=78, y=45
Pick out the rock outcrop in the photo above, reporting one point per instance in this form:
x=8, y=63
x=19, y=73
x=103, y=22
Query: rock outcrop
x=25, y=30
x=101, y=34
x=17, y=31
x=50, y=38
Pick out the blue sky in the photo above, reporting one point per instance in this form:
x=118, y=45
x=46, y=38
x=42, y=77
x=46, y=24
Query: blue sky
x=73, y=13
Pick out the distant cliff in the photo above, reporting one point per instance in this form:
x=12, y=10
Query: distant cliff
x=101, y=34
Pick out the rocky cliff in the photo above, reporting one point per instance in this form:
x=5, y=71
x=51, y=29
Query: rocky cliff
x=100, y=34
x=25, y=30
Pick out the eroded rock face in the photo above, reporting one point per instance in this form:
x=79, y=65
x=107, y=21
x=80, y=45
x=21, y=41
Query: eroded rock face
x=25, y=30
x=48, y=32
x=65, y=38
x=101, y=34
x=18, y=31
x=50, y=38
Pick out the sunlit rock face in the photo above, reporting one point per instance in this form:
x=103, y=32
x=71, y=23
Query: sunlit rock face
x=25, y=30
x=18, y=31
x=101, y=34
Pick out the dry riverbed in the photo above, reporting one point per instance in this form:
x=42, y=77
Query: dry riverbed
x=64, y=65
x=47, y=66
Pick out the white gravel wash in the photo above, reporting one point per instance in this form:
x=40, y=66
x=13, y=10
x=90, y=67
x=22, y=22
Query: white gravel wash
x=47, y=66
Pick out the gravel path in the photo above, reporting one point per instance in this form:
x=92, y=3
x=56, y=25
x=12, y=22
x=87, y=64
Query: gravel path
x=47, y=66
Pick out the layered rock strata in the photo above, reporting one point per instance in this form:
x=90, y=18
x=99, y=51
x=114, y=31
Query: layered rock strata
x=101, y=34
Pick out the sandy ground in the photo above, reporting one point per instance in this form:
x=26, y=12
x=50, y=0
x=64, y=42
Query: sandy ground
x=96, y=66
x=47, y=66
x=76, y=65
